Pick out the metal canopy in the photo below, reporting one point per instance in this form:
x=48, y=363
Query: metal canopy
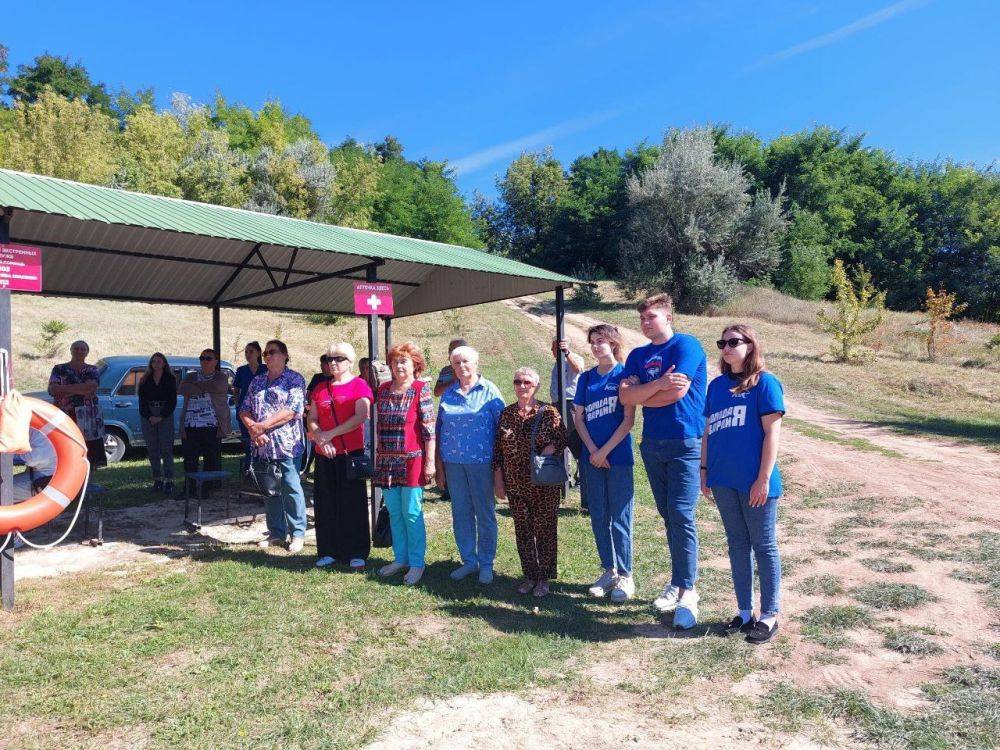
x=112, y=244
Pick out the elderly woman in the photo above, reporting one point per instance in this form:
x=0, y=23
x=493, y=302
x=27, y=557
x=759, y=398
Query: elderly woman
x=405, y=458
x=205, y=417
x=467, y=420
x=339, y=407
x=534, y=509
x=73, y=387
x=272, y=414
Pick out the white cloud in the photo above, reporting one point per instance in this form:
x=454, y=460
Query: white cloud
x=825, y=40
x=484, y=157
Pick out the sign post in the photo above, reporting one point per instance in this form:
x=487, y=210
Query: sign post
x=12, y=264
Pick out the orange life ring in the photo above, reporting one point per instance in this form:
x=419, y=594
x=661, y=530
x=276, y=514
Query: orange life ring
x=71, y=471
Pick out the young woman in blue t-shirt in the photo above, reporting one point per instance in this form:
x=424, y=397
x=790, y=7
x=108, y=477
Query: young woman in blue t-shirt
x=604, y=426
x=739, y=473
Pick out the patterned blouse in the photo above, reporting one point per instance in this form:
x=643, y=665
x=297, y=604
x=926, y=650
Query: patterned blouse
x=512, y=451
x=265, y=398
x=89, y=419
x=405, y=424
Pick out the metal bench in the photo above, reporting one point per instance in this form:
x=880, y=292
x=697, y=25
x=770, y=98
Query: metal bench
x=199, y=478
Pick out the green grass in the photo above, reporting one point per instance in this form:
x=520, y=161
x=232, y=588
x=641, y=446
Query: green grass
x=907, y=642
x=820, y=432
x=883, y=565
x=885, y=595
x=826, y=584
x=826, y=625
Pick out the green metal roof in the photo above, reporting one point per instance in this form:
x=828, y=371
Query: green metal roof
x=77, y=200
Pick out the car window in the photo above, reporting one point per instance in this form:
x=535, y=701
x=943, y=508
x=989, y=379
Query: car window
x=130, y=384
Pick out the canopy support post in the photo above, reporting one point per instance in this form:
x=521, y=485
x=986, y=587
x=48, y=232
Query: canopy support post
x=6, y=459
x=560, y=375
x=388, y=336
x=217, y=331
x=371, y=275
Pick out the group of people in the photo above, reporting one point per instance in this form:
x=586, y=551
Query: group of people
x=718, y=439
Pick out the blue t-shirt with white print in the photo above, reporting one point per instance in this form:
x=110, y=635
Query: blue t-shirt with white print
x=735, y=434
x=603, y=413
x=684, y=418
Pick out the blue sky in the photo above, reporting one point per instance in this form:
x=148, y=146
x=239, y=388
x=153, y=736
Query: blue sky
x=477, y=83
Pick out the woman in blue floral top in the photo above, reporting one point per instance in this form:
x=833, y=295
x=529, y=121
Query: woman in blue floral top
x=73, y=386
x=272, y=413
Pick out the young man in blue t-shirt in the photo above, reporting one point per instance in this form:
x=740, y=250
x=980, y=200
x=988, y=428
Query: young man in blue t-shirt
x=667, y=377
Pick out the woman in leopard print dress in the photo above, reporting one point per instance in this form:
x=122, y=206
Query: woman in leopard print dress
x=534, y=509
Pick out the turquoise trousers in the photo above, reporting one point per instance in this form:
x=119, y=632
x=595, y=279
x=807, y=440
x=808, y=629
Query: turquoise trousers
x=406, y=517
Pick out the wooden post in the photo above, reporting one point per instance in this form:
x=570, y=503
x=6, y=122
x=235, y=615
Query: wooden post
x=6, y=459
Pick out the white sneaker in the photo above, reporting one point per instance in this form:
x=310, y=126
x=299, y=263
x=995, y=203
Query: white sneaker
x=467, y=569
x=295, y=546
x=413, y=576
x=667, y=601
x=686, y=615
x=325, y=562
x=391, y=569
x=604, y=584
x=624, y=589
x=271, y=541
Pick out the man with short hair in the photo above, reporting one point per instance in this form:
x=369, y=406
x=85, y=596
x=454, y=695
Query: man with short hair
x=668, y=378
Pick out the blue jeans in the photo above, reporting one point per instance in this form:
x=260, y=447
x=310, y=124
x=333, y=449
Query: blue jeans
x=673, y=470
x=288, y=509
x=751, y=529
x=610, y=496
x=406, y=518
x=473, y=512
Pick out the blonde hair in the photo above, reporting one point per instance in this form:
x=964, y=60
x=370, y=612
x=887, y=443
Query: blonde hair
x=343, y=348
x=753, y=363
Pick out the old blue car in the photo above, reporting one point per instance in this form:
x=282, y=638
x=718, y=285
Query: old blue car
x=118, y=395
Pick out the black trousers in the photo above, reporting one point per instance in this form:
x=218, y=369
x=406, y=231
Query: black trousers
x=201, y=443
x=340, y=508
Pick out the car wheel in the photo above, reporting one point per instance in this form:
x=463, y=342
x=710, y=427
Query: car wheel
x=115, y=446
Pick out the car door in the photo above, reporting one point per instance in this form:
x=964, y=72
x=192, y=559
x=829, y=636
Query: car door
x=125, y=404
x=179, y=374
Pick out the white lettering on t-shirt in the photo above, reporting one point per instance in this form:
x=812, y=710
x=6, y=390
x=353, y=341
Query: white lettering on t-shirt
x=731, y=416
x=601, y=408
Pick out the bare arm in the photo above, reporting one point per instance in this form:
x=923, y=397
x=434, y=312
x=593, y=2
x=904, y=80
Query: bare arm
x=362, y=408
x=768, y=458
x=703, y=473
x=278, y=418
x=666, y=389
x=576, y=363
x=623, y=429
x=581, y=428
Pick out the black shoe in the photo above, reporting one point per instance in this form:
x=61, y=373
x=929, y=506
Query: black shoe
x=168, y=488
x=736, y=625
x=157, y=486
x=761, y=633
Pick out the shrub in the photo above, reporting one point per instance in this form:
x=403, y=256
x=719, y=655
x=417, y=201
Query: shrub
x=49, y=341
x=324, y=319
x=940, y=306
x=859, y=310
x=585, y=295
x=993, y=345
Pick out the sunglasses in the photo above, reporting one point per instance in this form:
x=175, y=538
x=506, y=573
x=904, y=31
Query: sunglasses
x=269, y=352
x=327, y=359
x=518, y=381
x=206, y=358
x=731, y=343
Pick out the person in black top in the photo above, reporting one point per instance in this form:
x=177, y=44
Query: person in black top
x=157, y=403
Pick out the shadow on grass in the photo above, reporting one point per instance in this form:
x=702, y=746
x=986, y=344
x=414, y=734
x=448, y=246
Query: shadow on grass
x=984, y=433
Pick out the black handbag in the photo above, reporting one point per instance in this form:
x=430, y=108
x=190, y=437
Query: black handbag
x=546, y=471
x=382, y=533
x=265, y=475
x=359, y=465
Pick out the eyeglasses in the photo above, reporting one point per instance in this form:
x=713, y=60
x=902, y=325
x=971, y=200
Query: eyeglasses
x=206, y=358
x=327, y=359
x=269, y=352
x=518, y=381
x=731, y=343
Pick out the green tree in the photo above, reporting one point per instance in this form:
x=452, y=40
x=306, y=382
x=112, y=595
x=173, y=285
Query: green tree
x=941, y=307
x=530, y=195
x=150, y=151
x=55, y=136
x=271, y=126
x=694, y=228
x=296, y=181
x=210, y=171
x=356, y=188
x=859, y=309
x=69, y=80
x=804, y=270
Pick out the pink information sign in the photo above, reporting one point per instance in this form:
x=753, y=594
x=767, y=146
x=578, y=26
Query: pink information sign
x=20, y=268
x=372, y=298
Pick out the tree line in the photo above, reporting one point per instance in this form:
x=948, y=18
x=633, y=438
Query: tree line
x=697, y=214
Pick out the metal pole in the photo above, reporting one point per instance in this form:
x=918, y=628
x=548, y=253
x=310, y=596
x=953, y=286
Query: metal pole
x=371, y=275
x=6, y=459
x=217, y=331
x=388, y=335
x=561, y=372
